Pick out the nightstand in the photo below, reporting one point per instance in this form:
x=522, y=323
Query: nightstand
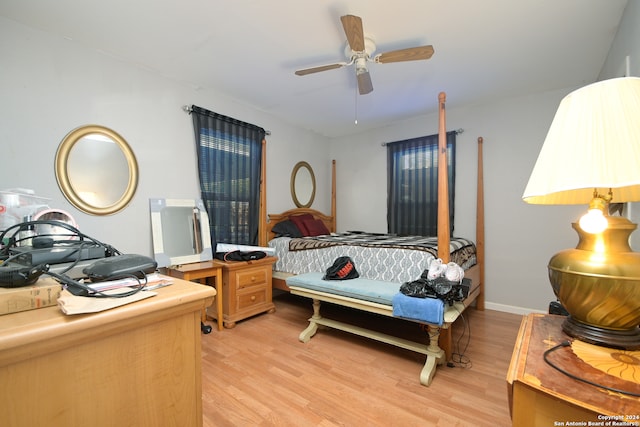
x=246, y=289
x=201, y=271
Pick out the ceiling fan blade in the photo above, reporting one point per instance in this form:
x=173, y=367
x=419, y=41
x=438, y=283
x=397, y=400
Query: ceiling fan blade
x=319, y=69
x=353, y=29
x=364, y=82
x=409, y=54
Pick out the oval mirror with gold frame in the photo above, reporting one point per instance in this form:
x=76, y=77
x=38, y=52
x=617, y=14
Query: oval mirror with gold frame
x=303, y=185
x=96, y=170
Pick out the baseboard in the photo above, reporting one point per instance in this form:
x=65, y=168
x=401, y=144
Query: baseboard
x=510, y=308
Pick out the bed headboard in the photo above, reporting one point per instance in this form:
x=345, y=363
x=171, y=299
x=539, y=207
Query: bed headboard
x=273, y=219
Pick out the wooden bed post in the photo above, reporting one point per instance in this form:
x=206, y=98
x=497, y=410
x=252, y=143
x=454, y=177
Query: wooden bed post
x=444, y=229
x=480, y=225
x=262, y=223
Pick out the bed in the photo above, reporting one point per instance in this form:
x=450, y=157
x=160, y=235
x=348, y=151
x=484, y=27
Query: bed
x=380, y=257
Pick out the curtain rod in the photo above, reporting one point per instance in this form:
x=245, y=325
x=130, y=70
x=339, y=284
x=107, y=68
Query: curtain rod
x=457, y=132
x=187, y=109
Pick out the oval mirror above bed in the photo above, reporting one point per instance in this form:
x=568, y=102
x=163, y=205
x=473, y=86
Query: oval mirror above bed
x=303, y=185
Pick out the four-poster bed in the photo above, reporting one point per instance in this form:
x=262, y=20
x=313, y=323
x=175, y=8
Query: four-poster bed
x=319, y=257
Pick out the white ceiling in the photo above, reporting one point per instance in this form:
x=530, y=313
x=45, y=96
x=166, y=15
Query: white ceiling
x=249, y=49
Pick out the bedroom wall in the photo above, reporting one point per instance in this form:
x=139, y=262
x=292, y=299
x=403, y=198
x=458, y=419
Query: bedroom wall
x=50, y=85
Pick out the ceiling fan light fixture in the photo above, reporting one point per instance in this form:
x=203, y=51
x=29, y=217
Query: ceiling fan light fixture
x=367, y=53
x=361, y=65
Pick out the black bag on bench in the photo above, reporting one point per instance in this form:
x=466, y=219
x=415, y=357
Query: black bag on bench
x=343, y=268
x=440, y=288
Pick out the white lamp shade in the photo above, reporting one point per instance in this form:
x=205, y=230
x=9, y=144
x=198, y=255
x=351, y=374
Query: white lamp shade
x=593, y=143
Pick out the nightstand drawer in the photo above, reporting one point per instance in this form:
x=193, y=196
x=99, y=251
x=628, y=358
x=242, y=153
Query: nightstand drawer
x=248, y=299
x=251, y=277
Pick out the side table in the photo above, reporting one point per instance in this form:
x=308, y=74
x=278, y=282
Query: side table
x=201, y=271
x=247, y=289
x=540, y=395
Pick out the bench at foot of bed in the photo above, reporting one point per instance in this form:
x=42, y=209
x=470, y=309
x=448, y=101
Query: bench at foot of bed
x=435, y=355
x=376, y=296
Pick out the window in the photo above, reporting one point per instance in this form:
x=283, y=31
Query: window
x=229, y=166
x=412, y=185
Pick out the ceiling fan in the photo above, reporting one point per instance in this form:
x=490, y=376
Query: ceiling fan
x=359, y=51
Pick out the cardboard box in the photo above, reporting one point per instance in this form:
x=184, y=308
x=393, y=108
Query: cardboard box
x=43, y=293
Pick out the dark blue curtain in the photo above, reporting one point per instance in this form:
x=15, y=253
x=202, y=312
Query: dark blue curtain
x=229, y=163
x=412, y=185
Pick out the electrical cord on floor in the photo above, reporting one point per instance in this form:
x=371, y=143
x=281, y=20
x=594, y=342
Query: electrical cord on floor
x=458, y=357
x=575, y=377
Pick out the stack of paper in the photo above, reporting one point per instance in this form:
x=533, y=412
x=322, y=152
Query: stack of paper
x=153, y=280
x=72, y=304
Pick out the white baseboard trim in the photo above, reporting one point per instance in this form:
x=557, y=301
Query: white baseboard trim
x=511, y=308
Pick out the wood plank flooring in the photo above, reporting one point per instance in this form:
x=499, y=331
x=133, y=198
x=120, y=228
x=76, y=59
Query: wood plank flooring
x=259, y=374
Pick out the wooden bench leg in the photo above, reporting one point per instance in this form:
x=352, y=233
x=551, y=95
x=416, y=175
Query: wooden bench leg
x=435, y=357
x=310, y=331
x=446, y=342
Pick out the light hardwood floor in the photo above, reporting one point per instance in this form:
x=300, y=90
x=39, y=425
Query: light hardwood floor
x=259, y=374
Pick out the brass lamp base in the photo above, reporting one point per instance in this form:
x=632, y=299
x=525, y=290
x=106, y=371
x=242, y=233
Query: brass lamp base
x=626, y=339
x=598, y=283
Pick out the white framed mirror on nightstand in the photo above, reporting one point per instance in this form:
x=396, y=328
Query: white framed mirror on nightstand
x=180, y=231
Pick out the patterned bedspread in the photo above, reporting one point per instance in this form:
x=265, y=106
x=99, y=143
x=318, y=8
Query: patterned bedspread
x=379, y=257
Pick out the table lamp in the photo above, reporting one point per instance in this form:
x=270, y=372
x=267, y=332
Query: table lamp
x=591, y=156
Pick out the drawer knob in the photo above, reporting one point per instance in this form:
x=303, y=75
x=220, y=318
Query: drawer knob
x=253, y=297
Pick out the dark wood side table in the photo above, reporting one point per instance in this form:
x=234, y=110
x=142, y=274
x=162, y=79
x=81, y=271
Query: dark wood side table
x=202, y=272
x=540, y=395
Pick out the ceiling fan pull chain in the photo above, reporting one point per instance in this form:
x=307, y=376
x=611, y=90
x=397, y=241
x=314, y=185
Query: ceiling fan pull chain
x=356, y=114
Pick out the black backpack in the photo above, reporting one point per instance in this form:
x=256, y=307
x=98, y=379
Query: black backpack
x=343, y=268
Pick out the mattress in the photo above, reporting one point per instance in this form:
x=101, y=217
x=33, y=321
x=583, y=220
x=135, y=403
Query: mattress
x=397, y=260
